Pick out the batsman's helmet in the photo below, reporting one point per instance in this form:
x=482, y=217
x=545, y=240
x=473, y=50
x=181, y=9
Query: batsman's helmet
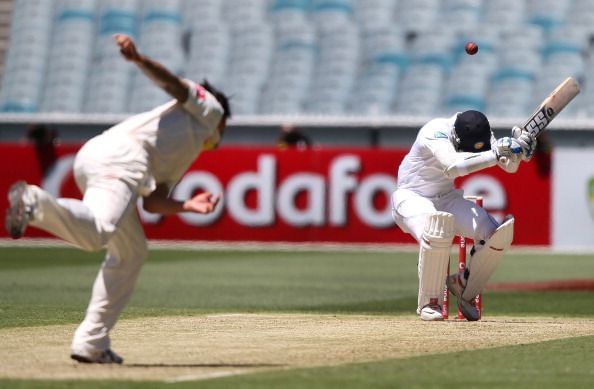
x=472, y=132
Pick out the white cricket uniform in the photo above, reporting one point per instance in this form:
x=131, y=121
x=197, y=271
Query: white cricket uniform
x=423, y=187
x=112, y=170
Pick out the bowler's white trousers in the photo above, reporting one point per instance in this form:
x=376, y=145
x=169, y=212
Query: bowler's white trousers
x=106, y=217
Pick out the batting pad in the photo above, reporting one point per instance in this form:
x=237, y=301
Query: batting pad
x=484, y=261
x=434, y=255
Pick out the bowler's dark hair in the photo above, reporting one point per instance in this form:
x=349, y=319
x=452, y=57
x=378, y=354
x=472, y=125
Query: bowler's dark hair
x=220, y=96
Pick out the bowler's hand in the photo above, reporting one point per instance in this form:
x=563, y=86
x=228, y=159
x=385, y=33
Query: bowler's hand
x=202, y=203
x=127, y=47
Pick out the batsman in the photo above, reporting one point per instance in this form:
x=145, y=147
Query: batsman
x=427, y=206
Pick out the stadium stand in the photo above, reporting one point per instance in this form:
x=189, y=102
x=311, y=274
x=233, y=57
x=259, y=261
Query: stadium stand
x=384, y=59
x=160, y=36
x=69, y=57
x=110, y=77
x=6, y=8
x=285, y=91
x=333, y=57
x=26, y=61
x=374, y=14
x=249, y=63
x=335, y=68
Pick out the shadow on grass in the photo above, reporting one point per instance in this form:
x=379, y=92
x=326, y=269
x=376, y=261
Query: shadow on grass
x=554, y=304
x=390, y=306
x=198, y=365
x=577, y=304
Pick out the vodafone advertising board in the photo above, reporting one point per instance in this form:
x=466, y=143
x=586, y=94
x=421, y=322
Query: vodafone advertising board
x=318, y=195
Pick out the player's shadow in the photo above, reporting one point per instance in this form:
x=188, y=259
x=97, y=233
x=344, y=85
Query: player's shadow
x=387, y=306
x=197, y=365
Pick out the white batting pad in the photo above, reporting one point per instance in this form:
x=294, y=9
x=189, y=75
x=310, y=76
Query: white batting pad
x=434, y=254
x=485, y=260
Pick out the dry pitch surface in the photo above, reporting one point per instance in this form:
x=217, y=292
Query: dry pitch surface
x=175, y=349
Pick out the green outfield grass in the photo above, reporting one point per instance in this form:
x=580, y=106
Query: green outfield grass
x=42, y=286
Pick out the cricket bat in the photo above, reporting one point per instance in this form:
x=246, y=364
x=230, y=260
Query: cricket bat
x=551, y=106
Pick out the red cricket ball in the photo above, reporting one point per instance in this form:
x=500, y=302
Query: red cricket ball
x=471, y=48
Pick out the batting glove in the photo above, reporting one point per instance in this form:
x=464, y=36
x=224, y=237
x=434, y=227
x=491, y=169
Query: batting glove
x=507, y=147
x=526, y=140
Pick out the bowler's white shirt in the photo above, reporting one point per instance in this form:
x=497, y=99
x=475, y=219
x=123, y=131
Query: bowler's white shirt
x=171, y=135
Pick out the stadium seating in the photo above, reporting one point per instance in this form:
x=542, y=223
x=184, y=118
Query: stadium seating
x=421, y=89
x=581, y=14
x=339, y=57
x=414, y=16
x=504, y=13
x=248, y=65
x=24, y=75
x=334, y=70
x=208, y=51
x=461, y=15
x=160, y=36
x=547, y=14
x=291, y=68
x=70, y=56
x=374, y=14
x=110, y=76
x=383, y=61
x=330, y=14
x=586, y=101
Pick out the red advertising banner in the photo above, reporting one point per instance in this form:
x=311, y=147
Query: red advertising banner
x=315, y=195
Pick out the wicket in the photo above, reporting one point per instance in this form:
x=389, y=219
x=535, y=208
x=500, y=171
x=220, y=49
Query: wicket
x=462, y=244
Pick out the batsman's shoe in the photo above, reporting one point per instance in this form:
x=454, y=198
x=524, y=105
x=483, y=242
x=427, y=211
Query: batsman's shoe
x=431, y=311
x=466, y=307
x=20, y=211
x=106, y=356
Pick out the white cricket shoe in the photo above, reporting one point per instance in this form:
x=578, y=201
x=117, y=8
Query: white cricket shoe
x=20, y=209
x=431, y=311
x=107, y=356
x=466, y=307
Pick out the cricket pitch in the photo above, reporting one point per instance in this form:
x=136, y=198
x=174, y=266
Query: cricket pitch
x=174, y=349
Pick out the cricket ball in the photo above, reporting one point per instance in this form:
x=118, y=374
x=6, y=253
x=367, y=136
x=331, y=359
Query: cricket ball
x=471, y=48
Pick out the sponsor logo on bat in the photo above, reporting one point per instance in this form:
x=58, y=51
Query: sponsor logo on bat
x=540, y=120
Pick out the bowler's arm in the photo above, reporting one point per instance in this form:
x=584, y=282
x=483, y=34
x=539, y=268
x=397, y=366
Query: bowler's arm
x=160, y=202
x=155, y=71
